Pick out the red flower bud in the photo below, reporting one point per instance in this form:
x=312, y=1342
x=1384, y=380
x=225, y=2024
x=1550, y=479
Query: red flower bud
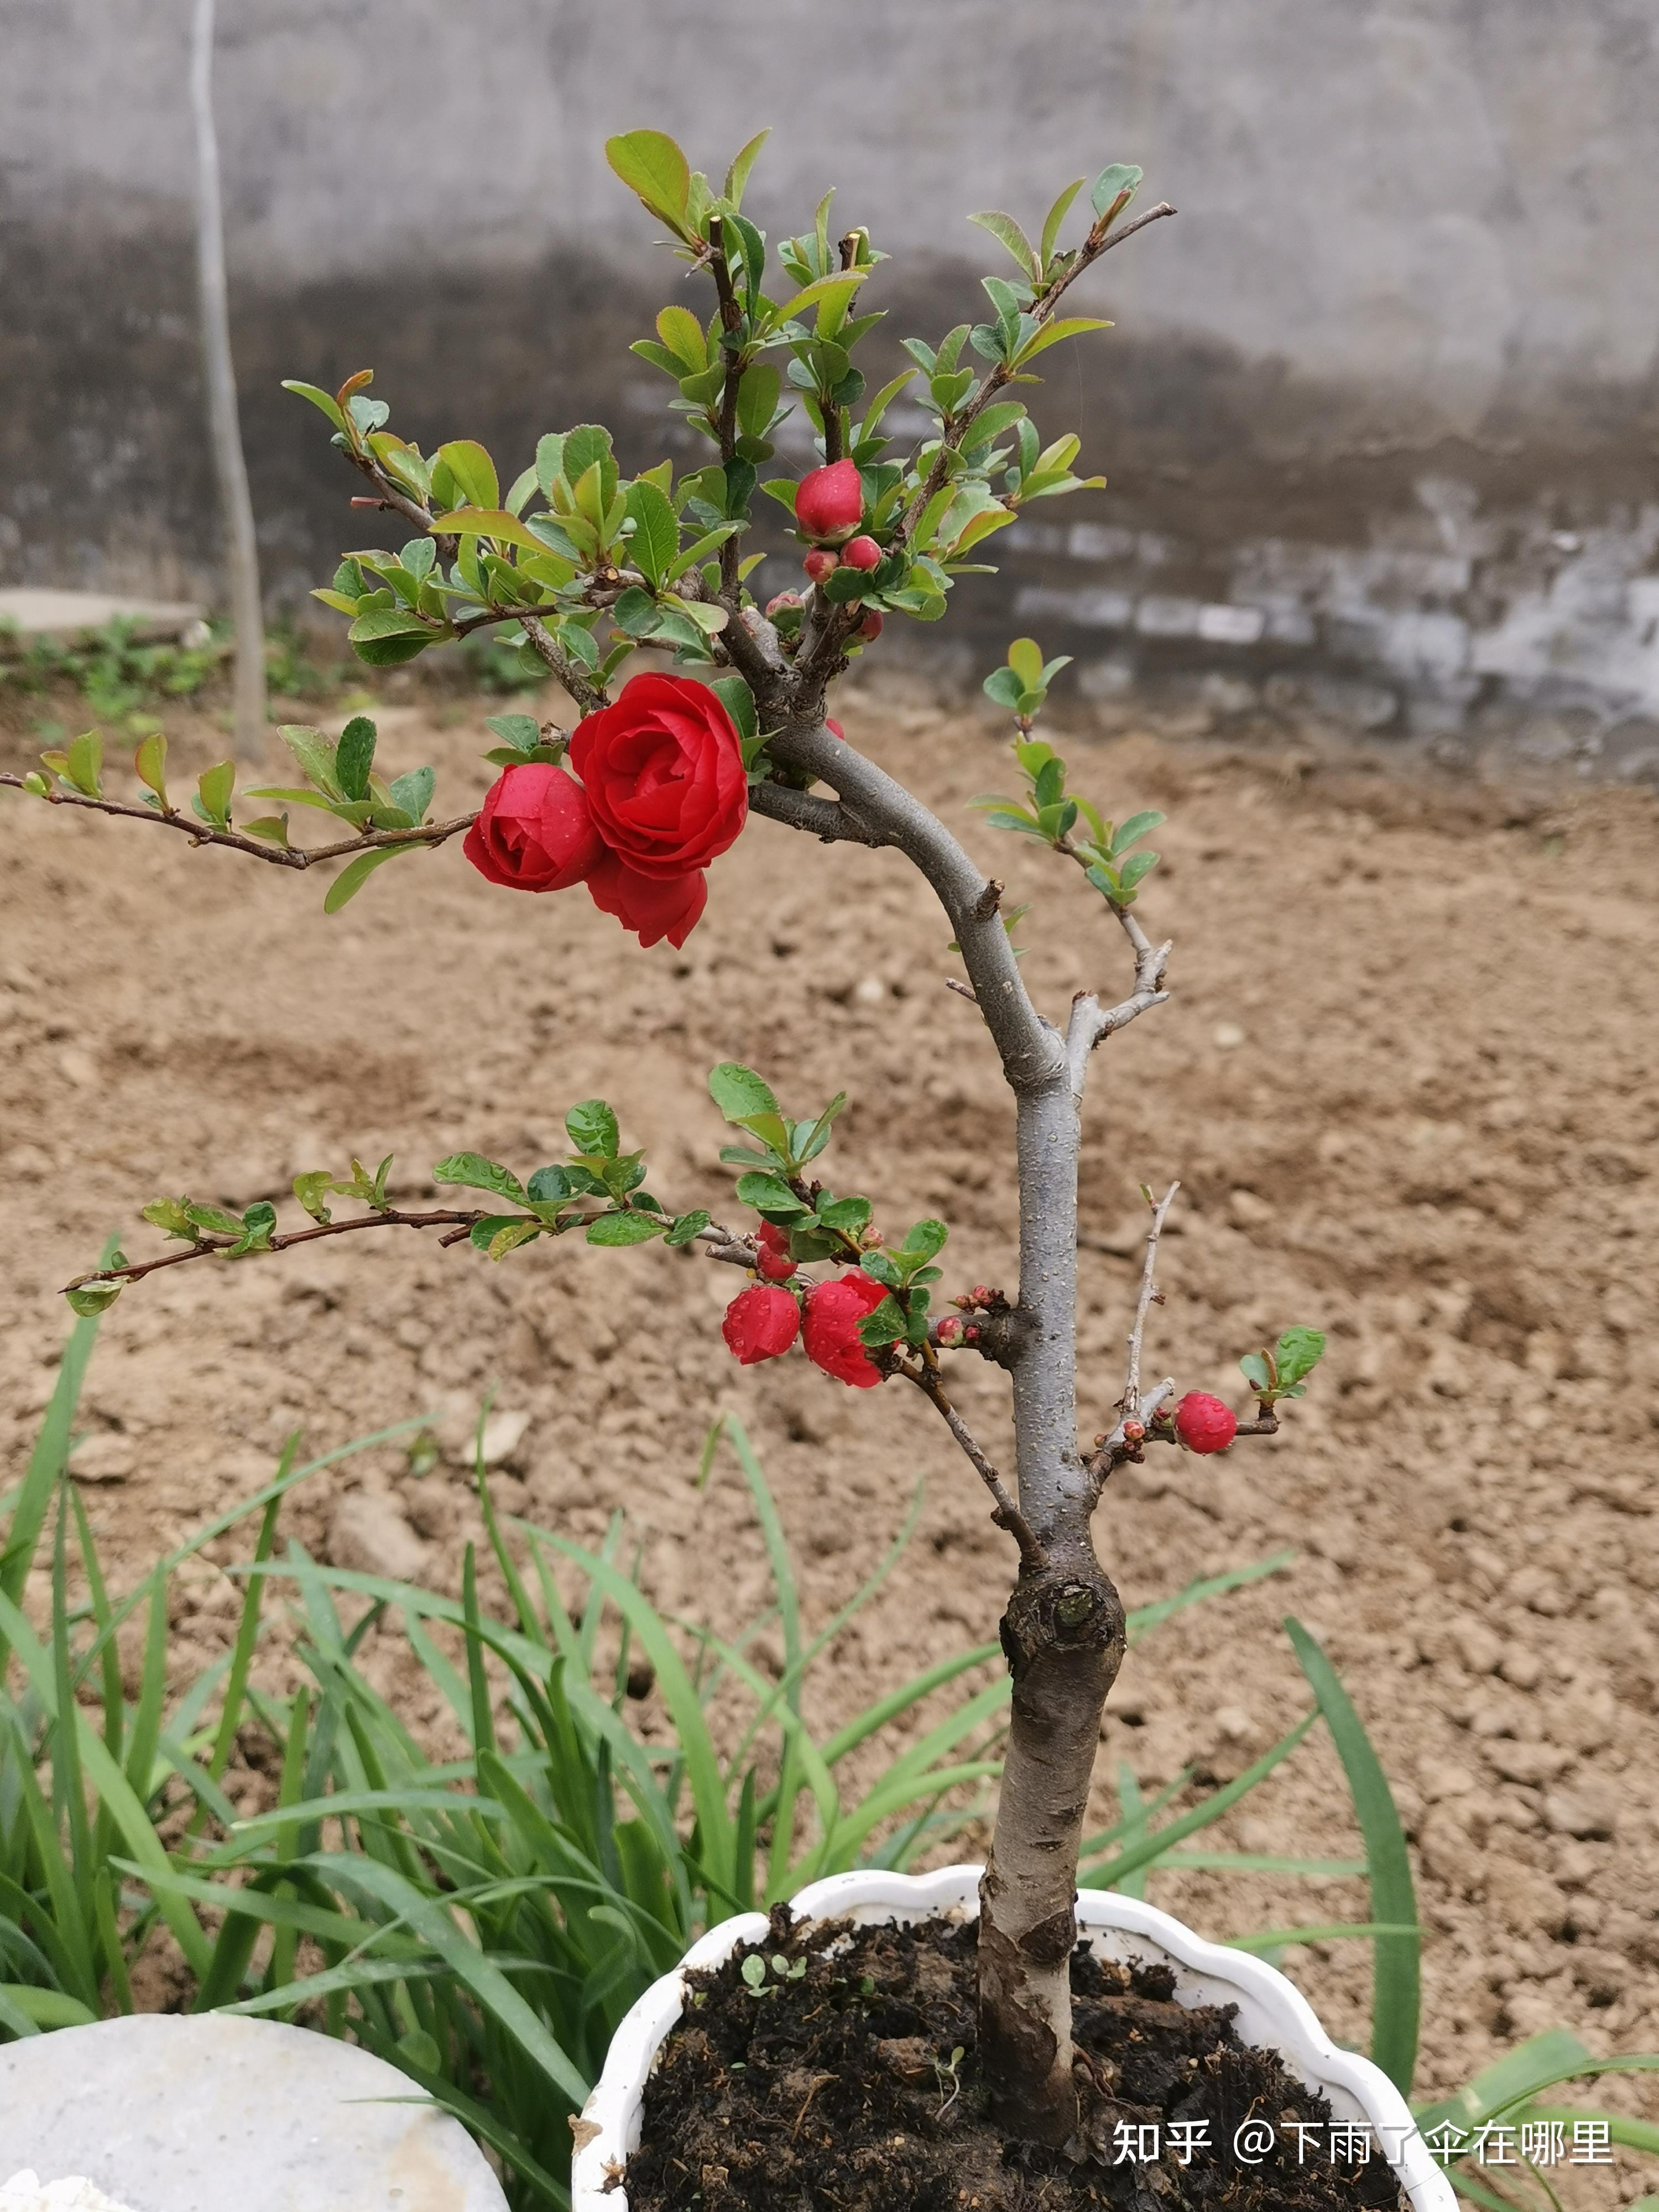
x=949, y=1330
x=829, y=502
x=761, y=1323
x=861, y=553
x=872, y=625
x=535, y=831
x=1204, y=1423
x=773, y=1260
x=783, y=599
x=1135, y=1433
x=820, y=562
x=830, y=1333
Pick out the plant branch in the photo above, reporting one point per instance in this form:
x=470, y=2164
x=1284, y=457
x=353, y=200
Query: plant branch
x=825, y=818
x=1092, y=1023
x=1144, y=1304
x=1007, y=1514
x=211, y=1247
x=279, y=856
x=588, y=695
x=875, y=810
x=730, y=319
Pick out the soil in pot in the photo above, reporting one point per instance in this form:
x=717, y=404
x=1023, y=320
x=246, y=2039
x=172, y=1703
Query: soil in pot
x=801, y=2079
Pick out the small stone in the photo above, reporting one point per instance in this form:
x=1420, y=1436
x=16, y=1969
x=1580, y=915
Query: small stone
x=872, y=991
x=1443, y=1778
x=1529, y=1763
x=1586, y=1811
x=1236, y=1724
x=1523, y=1667
x=1248, y=1210
x=1479, y=1647
x=105, y=1456
x=367, y=1534
x=1228, y=1036
x=502, y=1435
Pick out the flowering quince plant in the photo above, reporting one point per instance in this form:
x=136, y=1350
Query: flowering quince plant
x=646, y=791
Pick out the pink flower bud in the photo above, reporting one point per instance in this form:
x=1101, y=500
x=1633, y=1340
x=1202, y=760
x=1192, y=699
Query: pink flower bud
x=820, y=562
x=761, y=1323
x=861, y=553
x=1204, y=1423
x=830, y=501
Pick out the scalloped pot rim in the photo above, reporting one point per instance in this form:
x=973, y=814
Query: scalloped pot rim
x=1271, y=2012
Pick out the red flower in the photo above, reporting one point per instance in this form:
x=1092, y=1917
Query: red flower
x=830, y=501
x=535, y=830
x=834, y=1311
x=861, y=553
x=773, y=1262
x=760, y=1323
x=653, y=907
x=1204, y=1423
x=663, y=774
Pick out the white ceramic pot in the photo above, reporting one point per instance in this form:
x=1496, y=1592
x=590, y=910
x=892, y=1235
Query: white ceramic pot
x=1272, y=2013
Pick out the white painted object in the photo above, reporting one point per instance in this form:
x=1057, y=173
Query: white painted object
x=31, y=612
x=72, y=2192
x=1272, y=2014
x=213, y=2113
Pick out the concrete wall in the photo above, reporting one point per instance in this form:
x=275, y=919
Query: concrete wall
x=1379, y=413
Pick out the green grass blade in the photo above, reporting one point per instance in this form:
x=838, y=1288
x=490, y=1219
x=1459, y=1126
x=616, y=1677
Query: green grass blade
x=152, y=1696
x=1146, y=1618
x=247, y=1635
x=777, y=1547
x=1135, y=1831
x=1106, y=1875
x=47, y=2008
x=1275, y=1939
x=68, y=1790
x=910, y=1693
x=1264, y=1862
x=1396, y=2000
x=47, y=1463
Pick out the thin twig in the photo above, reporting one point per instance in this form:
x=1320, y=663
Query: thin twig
x=1092, y=1023
x=1007, y=1514
x=1144, y=1304
x=588, y=695
x=279, y=856
x=211, y=1246
x=730, y=319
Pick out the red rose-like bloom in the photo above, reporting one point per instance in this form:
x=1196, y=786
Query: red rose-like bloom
x=760, y=1324
x=653, y=907
x=663, y=774
x=834, y=1311
x=830, y=501
x=535, y=831
x=1204, y=1423
x=773, y=1262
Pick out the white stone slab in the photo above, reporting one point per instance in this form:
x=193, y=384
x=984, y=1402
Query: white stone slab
x=66, y=616
x=214, y=2114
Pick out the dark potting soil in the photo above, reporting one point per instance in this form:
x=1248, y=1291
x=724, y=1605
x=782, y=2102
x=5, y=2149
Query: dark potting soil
x=822, y=2083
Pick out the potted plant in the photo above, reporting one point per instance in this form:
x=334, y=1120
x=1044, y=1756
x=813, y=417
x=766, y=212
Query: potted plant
x=656, y=781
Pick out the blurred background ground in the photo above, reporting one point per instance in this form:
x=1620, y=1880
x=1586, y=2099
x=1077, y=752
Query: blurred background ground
x=1405, y=1080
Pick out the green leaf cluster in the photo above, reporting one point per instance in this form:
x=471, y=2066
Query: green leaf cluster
x=1050, y=812
x=907, y=1271
x=562, y=1197
x=1283, y=1372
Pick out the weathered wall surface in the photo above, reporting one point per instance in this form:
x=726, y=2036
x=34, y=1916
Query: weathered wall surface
x=1379, y=415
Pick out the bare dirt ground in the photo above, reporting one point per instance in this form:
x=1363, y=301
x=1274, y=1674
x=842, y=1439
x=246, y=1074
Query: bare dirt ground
x=1407, y=1080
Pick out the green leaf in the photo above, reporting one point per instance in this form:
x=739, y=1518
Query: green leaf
x=149, y=763
x=738, y=175
x=1395, y=2000
x=888, y=1323
x=315, y=754
x=1299, y=1352
x=1137, y=827
x=738, y=1091
x=926, y=1238
x=636, y=612
x=848, y=1214
x=87, y=1300
x=1051, y=334
x=592, y=1127
x=521, y=732
x=739, y=701
x=1008, y=232
x=322, y=400
x=356, y=873
x=354, y=756
x=651, y=164
x=476, y=1173
x=508, y=1237
x=1112, y=183
x=1055, y=217
x=216, y=785
x=312, y=1188
x=687, y=1226
x=770, y=1194
x=682, y=335
x=412, y=794
x=656, y=538
x=1255, y=1372
x=626, y=1228
x=475, y=473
